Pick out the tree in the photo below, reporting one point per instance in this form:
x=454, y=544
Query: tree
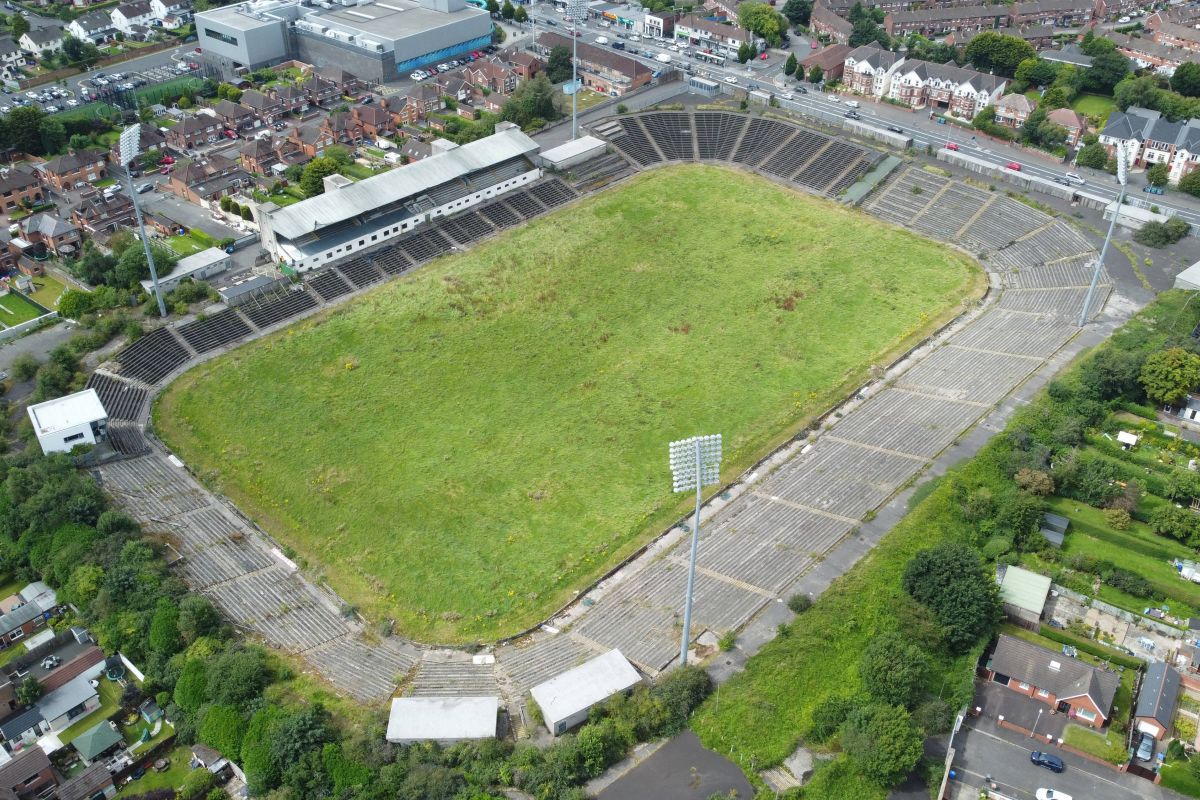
x=79, y=142
x=191, y=689
x=1036, y=72
x=798, y=12
x=74, y=304
x=1034, y=481
x=743, y=53
x=19, y=26
x=493, y=7
x=1168, y=375
x=828, y=715
x=52, y=134
x=1106, y=71
x=1186, y=79
x=24, y=367
x=30, y=691
x=791, y=65
x=247, y=214
x=884, y=741
x=893, y=669
x=507, y=11
x=312, y=182
x=532, y=104
x=197, y=617
x=24, y=129
x=999, y=52
x=763, y=20
x=1093, y=155
x=1157, y=175
x=221, y=727
x=867, y=31
x=520, y=15
x=237, y=676
x=558, y=65
x=815, y=74
x=951, y=581
x=164, y=636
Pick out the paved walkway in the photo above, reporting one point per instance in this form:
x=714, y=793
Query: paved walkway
x=799, y=520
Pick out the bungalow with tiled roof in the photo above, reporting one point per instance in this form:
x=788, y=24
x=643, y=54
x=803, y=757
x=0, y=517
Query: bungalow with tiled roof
x=1055, y=679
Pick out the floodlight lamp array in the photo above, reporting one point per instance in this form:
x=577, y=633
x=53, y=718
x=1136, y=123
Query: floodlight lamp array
x=685, y=462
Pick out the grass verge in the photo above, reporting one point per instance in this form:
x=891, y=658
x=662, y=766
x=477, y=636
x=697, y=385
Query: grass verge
x=1108, y=747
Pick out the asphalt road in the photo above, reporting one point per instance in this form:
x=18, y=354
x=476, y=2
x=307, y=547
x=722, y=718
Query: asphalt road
x=984, y=749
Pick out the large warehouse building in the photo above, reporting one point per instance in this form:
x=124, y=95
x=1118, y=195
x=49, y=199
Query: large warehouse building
x=376, y=40
x=366, y=215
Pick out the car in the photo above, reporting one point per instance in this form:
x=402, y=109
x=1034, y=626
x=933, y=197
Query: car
x=443, y=67
x=951, y=146
x=813, y=44
x=4, y=109
x=1075, y=178
x=165, y=170
x=1050, y=762
x=801, y=90
x=731, y=79
x=1145, y=749
x=100, y=75
x=576, y=34
x=168, y=160
x=1014, y=166
x=674, y=48
x=895, y=129
x=100, y=81
x=5, y=89
x=833, y=98
x=787, y=95
x=117, y=76
x=852, y=115
x=116, y=187
x=50, y=662
x=366, y=100
x=32, y=95
x=1153, y=189
x=142, y=188
x=230, y=134
x=140, y=773
x=1050, y=794
x=416, y=76
x=51, y=109
x=633, y=37
x=763, y=56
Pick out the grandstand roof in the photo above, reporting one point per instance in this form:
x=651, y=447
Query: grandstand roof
x=330, y=208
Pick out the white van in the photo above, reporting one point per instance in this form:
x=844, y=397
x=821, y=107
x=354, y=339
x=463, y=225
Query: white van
x=852, y=103
x=601, y=40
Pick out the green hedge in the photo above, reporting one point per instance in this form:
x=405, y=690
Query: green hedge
x=1093, y=647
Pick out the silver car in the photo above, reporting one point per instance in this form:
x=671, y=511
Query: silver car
x=1145, y=750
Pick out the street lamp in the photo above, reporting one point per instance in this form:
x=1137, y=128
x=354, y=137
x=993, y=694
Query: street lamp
x=695, y=463
x=1035, y=723
x=576, y=10
x=130, y=145
x=1123, y=157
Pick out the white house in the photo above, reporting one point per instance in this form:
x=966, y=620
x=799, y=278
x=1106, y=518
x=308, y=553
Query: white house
x=868, y=70
x=170, y=13
x=444, y=720
x=565, y=700
x=945, y=87
x=68, y=421
x=35, y=41
x=126, y=15
x=94, y=27
x=11, y=55
x=72, y=701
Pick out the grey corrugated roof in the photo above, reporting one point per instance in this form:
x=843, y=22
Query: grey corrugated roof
x=1159, y=693
x=391, y=187
x=18, y=617
x=17, y=724
x=1034, y=665
x=69, y=695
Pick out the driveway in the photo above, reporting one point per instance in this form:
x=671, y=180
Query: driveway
x=984, y=749
x=682, y=769
x=997, y=700
x=185, y=213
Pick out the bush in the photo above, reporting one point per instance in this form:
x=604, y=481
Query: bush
x=799, y=603
x=951, y=580
x=1118, y=518
x=884, y=741
x=24, y=367
x=1161, y=234
x=828, y=716
x=893, y=669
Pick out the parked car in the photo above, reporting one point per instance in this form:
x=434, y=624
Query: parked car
x=144, y=187
x=50, y=662
x=763, y=57
x=1014, y=166
x=1050, y=794
x=1050, y=762
x=1153, y=189
x=1145, y=749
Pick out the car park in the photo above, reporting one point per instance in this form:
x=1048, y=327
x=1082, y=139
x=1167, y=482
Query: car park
x=1014, y=166
x=1050, y=762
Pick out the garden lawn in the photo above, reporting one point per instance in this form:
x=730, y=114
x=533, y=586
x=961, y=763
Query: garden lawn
x=16, y=308
x=172, y=778
x=110, y=701
x=1094, y=105
x=46, y=291
x=356, y=171
x=497, y=422
x=1177, y=776
x=185, y=245
x=1108, y=747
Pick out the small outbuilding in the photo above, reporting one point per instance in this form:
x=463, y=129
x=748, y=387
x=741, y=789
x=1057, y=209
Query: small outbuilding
x=197, y=266
x=1157, y=699
x=97, y=741
x=66, y=422
x=1054, y=528
x=565, y=700
x=1189, y=279
x=1024, y=594
x=444, y=720
x=573, y=152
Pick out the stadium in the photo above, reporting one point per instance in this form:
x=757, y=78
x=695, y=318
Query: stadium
x=474, y=516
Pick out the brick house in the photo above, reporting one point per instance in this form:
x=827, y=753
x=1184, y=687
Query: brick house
x=456, y=85
x=311, y=140
x=824, y=22
x=257, y=156
x=491, y=75
x=701, y=32
x=1157, y=699
x=945, y=87
x=526, y=65
x=265, y=107
x=1074, y=123
x=374, y=122
x=494, y=102
x=345, y=82
x=151, y=138
x=16, y=186
x=320, y=90
x=1060, y=13
x=58, y=235
x=291, y=100
x=427, y=98
x=28, y=775
x=868, y=70
x=1065, y=684
x=601, y=68
x=831, y=60
x=1175, y=35
x=83, y=166
x=97, y=215
x=405, y=110
x=1013, y=109
x=19, y=623
x=343, y=127
x=207, y=179
x=234, y=116
x=938, y=21
x=194, y=131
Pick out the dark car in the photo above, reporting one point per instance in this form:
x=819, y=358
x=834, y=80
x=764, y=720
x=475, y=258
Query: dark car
x=1050, y=762
x=895, y=129
x=852, y=115
x=1153, y=189
x=801, y=90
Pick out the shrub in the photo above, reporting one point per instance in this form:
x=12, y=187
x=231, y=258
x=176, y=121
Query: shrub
x=727, y=641
x=934, y=716
x=828, y=716
x=1035, y=481
x=884, y=741
x=893, y=669
x=24, y=367
x=1161, y=234
x=950, y=579
x=799, y=603
x=1118, y=518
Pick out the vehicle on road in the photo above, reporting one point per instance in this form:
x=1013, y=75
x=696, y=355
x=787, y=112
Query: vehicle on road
x=951, y=146
x=1050, y=794
x=731, y=79
x=852, y=103
x=1153, y=189
x=786, y=95
x=144, y=187
x=895, y=129
x=852, y=115
x=1014, y=166
x=801, y=90
x=1075, y=178
x=1145, y=750
x=1050, y=762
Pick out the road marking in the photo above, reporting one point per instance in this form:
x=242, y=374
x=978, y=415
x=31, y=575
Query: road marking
x=1028, y=750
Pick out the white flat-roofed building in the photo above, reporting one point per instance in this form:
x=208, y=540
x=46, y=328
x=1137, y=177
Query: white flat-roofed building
x=367, y=215
x=573, y=152
x=197, y=266
x=566, y=699
x=69, y=421
x=442, y=719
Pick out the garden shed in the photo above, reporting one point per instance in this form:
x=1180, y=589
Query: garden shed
x=565, y=700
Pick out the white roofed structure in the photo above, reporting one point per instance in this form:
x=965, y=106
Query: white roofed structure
x=1189, y=279
x=442, y=719
x=65, y=422
x=566, y=699
x=573, y=152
